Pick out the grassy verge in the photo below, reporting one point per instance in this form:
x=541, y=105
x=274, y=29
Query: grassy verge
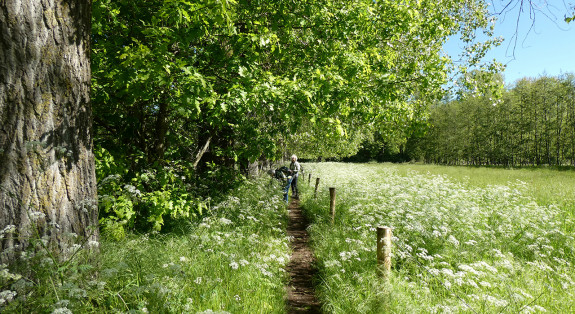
x=459, y=245
x=231, y=261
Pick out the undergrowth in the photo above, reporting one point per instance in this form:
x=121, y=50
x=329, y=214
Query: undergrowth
x=231, y=260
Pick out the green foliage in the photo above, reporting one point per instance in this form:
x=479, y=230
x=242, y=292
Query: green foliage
x=569, y=19
x=143, y=200
x=46, y=276
x=530, y=124
x=259, y=77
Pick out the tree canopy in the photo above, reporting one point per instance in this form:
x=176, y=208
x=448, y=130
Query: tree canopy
x=531, y=124
x=253, y=75
x=184, y=88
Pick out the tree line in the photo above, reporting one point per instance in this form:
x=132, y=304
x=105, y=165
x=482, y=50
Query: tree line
x=532, y=124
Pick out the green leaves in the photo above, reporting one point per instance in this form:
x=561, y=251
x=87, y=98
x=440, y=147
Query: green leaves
x=253, y=75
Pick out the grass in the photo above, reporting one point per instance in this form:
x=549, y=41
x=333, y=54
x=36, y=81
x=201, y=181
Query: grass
x=231, y=261
x=460, y=245
x=545, y=185
x=467, y=240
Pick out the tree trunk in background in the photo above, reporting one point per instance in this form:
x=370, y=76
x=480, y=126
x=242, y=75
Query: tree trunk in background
x=160, y=134
x=47, y=178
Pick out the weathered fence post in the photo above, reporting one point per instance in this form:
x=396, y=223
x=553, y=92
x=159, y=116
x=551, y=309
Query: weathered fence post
x=332, y=203
x=316, y=185
x=309, y=179
x=384, y=250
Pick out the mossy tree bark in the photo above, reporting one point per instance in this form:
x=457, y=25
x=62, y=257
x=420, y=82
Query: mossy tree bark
x=47, y=178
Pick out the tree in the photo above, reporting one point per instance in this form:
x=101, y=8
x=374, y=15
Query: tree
x=169, y=75
x=47, y=179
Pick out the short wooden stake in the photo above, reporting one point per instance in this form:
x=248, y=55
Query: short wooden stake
x=384, y=250
x=309, y=179
x=316, y=185
x=332, y=203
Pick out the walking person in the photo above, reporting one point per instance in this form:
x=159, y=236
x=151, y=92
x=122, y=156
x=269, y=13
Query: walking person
x=294, y=168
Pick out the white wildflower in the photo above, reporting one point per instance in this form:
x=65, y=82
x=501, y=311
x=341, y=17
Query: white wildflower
x=495, y=301
x=485, y=284
x=447, y=272
x=332, y=263
x=472, y=283
x=8, y=229
x=132, y=190
x=539, y=308
x=93, y=244
x=225, y=221
x=7, y=296
x=243, y=262
x=451, y=239
x=62, y=303
x=433, y=271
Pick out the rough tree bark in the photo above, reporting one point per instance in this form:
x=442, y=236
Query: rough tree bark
x=47, y=178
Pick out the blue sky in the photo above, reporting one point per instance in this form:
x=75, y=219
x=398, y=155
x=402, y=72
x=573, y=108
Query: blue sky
x=547, y=48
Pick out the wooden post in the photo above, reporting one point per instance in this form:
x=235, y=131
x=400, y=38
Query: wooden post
x=309, y=179
x=332, y=203
x=316, y=185
x=384, y=250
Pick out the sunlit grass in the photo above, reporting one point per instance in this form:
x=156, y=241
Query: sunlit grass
x=460, y=245
x=546, y=185
x=233, y=260
x=472, y=241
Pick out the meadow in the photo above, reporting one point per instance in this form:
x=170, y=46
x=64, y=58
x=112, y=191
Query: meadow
x=461, y=243
x=465, y=240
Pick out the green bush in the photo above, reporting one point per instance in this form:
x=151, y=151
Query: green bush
x=143, y=199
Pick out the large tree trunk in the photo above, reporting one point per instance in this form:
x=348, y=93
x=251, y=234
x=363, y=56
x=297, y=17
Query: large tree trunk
x=47, y=179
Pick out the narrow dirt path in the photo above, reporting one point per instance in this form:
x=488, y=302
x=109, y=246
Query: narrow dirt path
x=301, y=295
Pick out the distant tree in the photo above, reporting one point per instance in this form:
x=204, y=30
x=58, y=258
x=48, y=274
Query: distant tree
x=531, y=124
x=47, y=180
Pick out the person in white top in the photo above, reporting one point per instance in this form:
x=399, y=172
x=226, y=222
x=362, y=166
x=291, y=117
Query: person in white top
x=294, y=168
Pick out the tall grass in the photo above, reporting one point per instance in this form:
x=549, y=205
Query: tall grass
x=231, y=261
x=471, y=242
x=458, y=246
x=547, y=185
